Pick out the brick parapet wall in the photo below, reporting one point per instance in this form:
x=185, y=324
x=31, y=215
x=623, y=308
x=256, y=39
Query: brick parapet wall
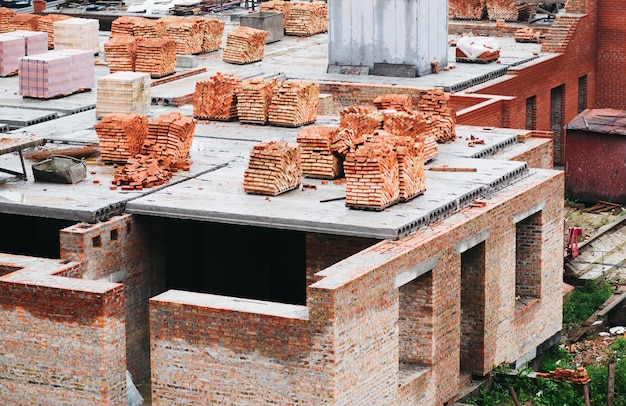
x=123, y=249
x=361, y=94
x=63, y=339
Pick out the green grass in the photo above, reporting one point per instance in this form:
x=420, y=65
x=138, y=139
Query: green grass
x=582, y=303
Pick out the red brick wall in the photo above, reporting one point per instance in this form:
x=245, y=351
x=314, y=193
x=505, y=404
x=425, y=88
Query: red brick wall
x=354, y=94
x=62, y=339
x=348, y=348
x=611, y=58
x=124, y=249
x=540, y=153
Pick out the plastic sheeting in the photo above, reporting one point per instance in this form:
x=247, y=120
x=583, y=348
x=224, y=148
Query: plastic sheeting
x=473, y=47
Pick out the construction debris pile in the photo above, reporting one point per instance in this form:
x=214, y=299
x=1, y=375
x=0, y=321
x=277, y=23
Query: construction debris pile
x=578, y=375
x=527, y=34
x=253, y=100
x=165, y=150
x=216, y=98
x=156, y=56
x=121, y=136
x=244, y=45
x=306, y=19
x=273, y=168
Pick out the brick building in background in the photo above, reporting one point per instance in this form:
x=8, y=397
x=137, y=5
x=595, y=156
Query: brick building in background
x=215, y=308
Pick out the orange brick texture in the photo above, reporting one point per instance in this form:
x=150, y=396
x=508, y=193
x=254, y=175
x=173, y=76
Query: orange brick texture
x=123, y=249
x=611, y=47
x=348, y=344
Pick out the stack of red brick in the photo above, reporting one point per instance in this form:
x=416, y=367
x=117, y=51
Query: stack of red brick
x=294, y=103
x=273, y=168
x=439, y=115
x=578, y=375
x=187, y=33
x=216, y=98
x=213, y=31
x=253, y=100
x=121, y=52
x=27, y=22
x=121, y=136
x=6, y=15
x=399, y=102
x=276, y=6
x=156, y=56
x=372, y=176
x=412, y=123
x=360, y=119
x=46, y=24
x=244, y=45
x=138, y=27
x=318, y=159
x=164, y=151
x=527, y=34
x=467, y=9
x=507, y=10
x=306, y=19
x=345, y=140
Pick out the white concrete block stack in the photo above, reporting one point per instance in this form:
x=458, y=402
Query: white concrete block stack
x=123, y=92
x=77, y=33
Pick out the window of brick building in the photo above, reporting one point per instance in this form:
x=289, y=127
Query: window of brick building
x=529, y=239
x=582, y=93
x=473, y=309
x=415, y=321
x=531, y=113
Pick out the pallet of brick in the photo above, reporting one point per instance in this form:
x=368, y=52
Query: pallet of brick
x=399, y=102
x=121, y=52
x=142, y=171
x=187, y=33
x=273, y=168
x=6, y=15
x=213, y=32
x=169, y=138
x=507, y=10
x=34, y=42
x=527, y=34
x=77, y=33
x=121, y=136
x=294, y=103
x=156, y=56
x=46, y=24
x=410, y=155
x=123, y=92
x=405, y=123
x=11, y=50
x=244, y=45
x=27, y=22
x=276, y=6
x=138, y=27
x=216, y=98
x=318, y=160
x=361, y=121
x=467, y=9
x=306, y=19
x=372, y=177
x=56, y=73
x=253, y=100
x=439, y=115
x=344, y=141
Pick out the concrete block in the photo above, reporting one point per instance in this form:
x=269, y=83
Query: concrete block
x=266, y=21
x=393, y=69
x=186, y=61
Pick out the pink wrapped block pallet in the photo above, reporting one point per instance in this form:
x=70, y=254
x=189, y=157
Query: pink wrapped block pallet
x=35, y=42
x=11, y=50
x=83, y=72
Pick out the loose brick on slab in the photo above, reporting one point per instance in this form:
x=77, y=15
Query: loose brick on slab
x=274, y=168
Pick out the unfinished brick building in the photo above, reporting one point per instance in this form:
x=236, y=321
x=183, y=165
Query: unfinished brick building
x=216, y=297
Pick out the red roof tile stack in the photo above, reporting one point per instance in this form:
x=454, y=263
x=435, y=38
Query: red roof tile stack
x=121, y=51
x=26, y=22
x=294, y=103
x=244, y=45
x=410, y=155
x=253, y=100
x=399, y=102
x=439, y=115
x=216, y=98
x=187, y=33
x=372, y=177
x=213, y=31
x=46, y=24
x=273, y=168
x=169, y=138
x=306, y=19
x=6, y=15
x=138, y=27
x=121, y=136
x=318, y=160
x=156, y=56
x=467, y=9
